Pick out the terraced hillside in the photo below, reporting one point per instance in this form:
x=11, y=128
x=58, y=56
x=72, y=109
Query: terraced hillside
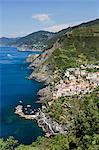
x=71, y=48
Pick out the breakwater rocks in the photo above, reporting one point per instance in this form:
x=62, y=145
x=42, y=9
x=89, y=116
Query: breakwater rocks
x=49, y=126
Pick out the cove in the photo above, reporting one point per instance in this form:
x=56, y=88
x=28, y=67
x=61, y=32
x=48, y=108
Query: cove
x=15, y=87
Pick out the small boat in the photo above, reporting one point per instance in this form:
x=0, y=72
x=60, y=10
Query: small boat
x=20, y=102
x=26, y=112
x=28, y=105
x=32, y=112
x=9, y=55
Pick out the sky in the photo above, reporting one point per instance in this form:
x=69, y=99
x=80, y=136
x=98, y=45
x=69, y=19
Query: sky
x=21, y=17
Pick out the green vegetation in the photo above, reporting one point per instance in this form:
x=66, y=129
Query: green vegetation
x=37, y=40
x=92, y=69
x=79, y=45
x=85, y=29
x=8, y=144
x=83, y=130
x=74, y=51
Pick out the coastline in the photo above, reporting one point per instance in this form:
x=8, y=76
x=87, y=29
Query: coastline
x=49, y=126
x=22, y=49
x=84, y=80
x=16, y=87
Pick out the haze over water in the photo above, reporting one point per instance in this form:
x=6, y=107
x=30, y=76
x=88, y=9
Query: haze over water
x=15, y=87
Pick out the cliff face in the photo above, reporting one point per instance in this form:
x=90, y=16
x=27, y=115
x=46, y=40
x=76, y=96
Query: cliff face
x=41, y=70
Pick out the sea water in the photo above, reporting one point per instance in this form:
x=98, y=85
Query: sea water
x=15, y=87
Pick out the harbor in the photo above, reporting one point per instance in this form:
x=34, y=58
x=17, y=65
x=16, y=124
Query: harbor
x=49, y=126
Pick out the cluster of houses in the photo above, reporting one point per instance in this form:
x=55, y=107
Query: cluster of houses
x=76, y=81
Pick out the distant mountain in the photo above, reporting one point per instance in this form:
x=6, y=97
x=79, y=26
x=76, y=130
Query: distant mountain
x=36, y=40
x=7, y=41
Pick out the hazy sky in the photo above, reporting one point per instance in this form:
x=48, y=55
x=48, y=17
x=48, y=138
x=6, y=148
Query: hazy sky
x=20, y=17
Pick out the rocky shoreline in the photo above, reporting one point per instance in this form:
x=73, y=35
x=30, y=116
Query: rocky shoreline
x=64, y=88
x=49, y=126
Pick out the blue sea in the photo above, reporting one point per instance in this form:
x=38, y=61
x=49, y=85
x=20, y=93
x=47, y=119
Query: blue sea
x=15, y=87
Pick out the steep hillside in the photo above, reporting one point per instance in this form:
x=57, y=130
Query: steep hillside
x=37, y=40
x=72, y=47
x=92, y=25
x=71, y=68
